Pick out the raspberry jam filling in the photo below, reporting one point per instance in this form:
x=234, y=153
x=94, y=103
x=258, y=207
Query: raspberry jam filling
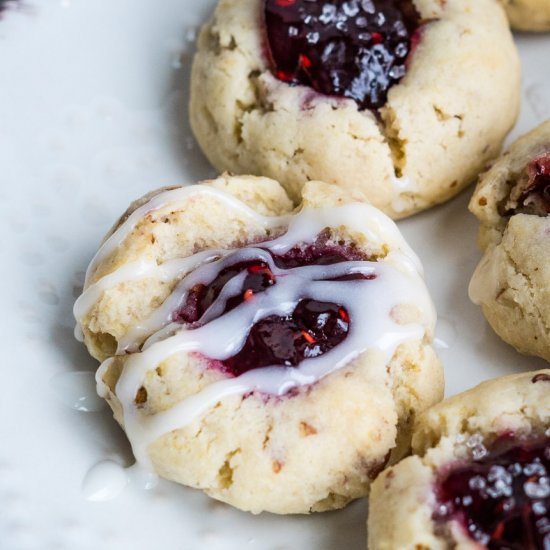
x=535, y=199
x=312, y=329
x=347, y=48
x=201, y=297
x=503, y=499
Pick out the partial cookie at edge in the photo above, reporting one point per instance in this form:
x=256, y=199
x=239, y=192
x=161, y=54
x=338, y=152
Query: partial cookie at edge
x=403, y=502
x=511, y=282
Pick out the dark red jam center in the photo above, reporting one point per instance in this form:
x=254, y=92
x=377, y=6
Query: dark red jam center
x=537, y=194
x=503, y=499
x=201, y=296
x=346, y=48
x=312, y=329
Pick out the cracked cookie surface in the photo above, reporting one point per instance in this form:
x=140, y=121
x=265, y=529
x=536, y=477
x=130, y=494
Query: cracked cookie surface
x=511, y=282
x=440, y=124
x=478, y=475
x=283, y=439
x=528, y=15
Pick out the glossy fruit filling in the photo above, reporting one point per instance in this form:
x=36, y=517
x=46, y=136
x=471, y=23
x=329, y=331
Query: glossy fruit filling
x=312, y=329
x=347, y=48
x=502, y=500
x=535, y=198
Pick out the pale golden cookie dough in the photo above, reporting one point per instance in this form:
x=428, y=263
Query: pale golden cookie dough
x=402, y=500
x=316, y=450
x=528, y=15
x=511, y=283
x=441, y=124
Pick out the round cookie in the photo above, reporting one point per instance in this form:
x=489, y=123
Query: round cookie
x=452, y=97
x=273, y=358
x=512, y=202
x=528, y=15
x=478, y=477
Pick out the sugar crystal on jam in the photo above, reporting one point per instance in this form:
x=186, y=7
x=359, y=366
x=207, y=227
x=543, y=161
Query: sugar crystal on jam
x=347, y=48
x=502, y=500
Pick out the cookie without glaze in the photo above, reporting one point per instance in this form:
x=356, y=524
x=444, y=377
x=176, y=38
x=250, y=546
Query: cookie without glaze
x=528, y=15
x=289, y=438
x=441, y=123
x=485, y=439
x=511, y=282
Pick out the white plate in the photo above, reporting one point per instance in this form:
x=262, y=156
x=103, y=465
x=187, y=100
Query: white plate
x=92, y=115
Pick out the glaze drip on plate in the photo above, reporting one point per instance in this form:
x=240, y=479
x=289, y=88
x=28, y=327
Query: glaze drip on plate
x=309, y=302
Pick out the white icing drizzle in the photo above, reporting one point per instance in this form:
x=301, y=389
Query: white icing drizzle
x=173, y=198
x=371, y=306
x=102, y=388
x=134, y=271
x=162, y=316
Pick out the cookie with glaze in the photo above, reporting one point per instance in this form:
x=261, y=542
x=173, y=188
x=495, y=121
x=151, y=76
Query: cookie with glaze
x=311, y=447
